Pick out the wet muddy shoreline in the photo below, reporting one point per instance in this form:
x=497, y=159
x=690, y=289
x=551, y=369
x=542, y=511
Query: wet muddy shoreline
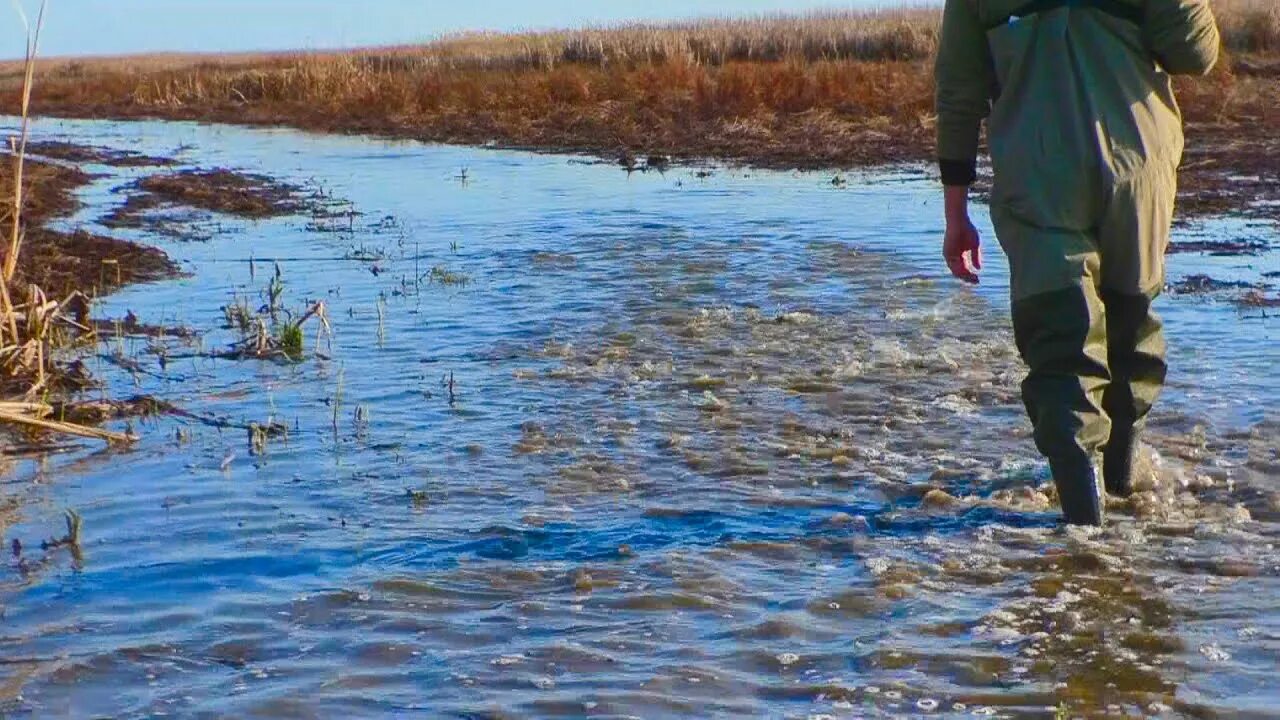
x=248, y=196
x=584, y=442
x=1229, y=166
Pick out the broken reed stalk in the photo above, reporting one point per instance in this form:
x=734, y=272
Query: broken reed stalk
x=66, y=428
x=6, y=304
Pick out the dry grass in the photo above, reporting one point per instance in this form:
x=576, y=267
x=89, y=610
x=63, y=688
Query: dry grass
x=65, y=263
x=849, y=85
x=222, y=190
x=909, y=34
x=26, y=328
x=47, y=190
x=745, y=89
x=898, y=34
x=78, y=154
x=818, y=90
x=1249, y=26
x=51, y=278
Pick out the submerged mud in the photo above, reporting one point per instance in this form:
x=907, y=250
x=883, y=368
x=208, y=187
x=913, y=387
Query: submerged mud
x=63, y=261
x=220, y=190
x=81, y=154
x=677, y=446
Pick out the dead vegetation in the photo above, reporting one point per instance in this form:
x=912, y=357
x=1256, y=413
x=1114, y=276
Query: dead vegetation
x=219, y=190
x=904, y=34
x=94, y=264
x=64, y=262
x=821, y=90
x=1249, y=26
x=37, y=330
x=264, y=337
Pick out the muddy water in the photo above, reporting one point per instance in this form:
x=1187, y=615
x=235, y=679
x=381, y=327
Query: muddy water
x=668, y=451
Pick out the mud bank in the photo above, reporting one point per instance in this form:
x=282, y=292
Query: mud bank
x=62, y=263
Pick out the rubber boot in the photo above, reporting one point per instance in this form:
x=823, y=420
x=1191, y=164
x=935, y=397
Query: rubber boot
x=1077, y=481
x=1119, y=460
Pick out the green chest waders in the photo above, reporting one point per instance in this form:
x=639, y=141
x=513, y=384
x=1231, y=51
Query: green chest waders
x=1085, y=140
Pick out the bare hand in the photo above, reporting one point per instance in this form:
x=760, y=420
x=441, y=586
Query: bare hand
x=962, y=249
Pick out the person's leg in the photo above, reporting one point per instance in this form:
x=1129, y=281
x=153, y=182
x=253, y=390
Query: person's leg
x=1134, y=235
x=1060, y=329
x=1135, y=349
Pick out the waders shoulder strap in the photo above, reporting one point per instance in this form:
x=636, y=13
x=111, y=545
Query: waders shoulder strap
x=1116, y=8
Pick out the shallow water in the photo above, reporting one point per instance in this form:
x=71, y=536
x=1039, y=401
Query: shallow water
x=678, y=472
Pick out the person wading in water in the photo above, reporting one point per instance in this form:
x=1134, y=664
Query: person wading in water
x=1085, y=140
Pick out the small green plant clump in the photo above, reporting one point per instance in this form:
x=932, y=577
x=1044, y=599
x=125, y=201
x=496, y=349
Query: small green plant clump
x=290, y=340
x=72, y=538
x=272, y=331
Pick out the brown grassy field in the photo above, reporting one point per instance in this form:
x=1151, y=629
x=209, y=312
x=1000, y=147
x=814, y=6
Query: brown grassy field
x=823, y=90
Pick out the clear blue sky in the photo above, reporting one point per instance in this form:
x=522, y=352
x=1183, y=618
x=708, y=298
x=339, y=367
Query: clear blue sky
x=95, y=27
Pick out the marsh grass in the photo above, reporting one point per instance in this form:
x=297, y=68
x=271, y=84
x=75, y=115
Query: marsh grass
x=272, y=338
x=219, y=190
x=902, y=34
x=382, y=320
x=261, y=434
x=290, y=340
x=81, y=154
x=336, y=400
x=720, y=87
x=817, y=90
x=1249, y=26
x=418, y=499
x=75, y=525
x=274, y=293
x=360, y=421
x=238, y=315
x=272, y=332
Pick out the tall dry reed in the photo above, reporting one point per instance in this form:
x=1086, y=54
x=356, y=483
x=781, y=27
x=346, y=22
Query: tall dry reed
x=19, y=148
x=30, y=330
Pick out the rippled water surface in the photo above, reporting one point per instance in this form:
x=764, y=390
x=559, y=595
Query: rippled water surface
x=667, y=452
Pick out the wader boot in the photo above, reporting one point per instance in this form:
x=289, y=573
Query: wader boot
x=1061, y=335
x=1135, y=354
x=1120, y=459
x=1078, y=490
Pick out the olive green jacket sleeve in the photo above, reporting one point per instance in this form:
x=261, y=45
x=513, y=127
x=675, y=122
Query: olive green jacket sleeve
x=1182, y=35
x=964, y=78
